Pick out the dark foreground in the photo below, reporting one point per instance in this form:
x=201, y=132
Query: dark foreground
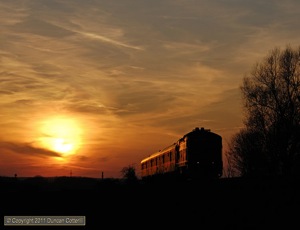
x=108, y=204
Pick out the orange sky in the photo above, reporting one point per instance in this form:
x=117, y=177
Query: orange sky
x=94, y=86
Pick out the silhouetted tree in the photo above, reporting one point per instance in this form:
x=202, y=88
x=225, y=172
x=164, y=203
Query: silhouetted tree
x=129, y=173
x=270, y=141
x=245, y=155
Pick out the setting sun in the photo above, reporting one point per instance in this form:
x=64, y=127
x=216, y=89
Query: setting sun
x=61, y=134
x=61, y=145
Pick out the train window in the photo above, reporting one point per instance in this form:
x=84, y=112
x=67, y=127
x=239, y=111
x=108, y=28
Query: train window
x=163, y=158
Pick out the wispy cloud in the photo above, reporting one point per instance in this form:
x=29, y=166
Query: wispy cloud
x=108, y=40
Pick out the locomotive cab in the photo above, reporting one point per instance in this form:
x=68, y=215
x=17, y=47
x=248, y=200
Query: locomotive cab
x=202, y=154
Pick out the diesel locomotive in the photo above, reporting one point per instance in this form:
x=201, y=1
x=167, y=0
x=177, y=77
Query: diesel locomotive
x=198, y=154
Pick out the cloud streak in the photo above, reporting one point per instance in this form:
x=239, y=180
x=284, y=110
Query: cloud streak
x=108, y=40
x=27, y=149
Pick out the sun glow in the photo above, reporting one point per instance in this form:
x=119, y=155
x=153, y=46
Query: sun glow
x=61, y=134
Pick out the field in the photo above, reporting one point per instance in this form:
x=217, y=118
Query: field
x=113, y=203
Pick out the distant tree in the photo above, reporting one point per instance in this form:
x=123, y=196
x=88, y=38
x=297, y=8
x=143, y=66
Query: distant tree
x=129, y=173
x=245, y=156
x=270, y=141
x=229, y=170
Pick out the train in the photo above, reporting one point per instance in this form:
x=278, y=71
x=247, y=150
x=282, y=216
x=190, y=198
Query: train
x=196, y=155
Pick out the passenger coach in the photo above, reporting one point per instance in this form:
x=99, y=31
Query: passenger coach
x=198, y=154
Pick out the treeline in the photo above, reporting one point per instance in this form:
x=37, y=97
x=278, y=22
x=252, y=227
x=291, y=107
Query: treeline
x=39, y=183
x=269, y=142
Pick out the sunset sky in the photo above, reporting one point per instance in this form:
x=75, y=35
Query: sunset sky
x=96, y=85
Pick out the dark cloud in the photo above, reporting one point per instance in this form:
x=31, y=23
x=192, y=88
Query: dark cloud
x=27, y=149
